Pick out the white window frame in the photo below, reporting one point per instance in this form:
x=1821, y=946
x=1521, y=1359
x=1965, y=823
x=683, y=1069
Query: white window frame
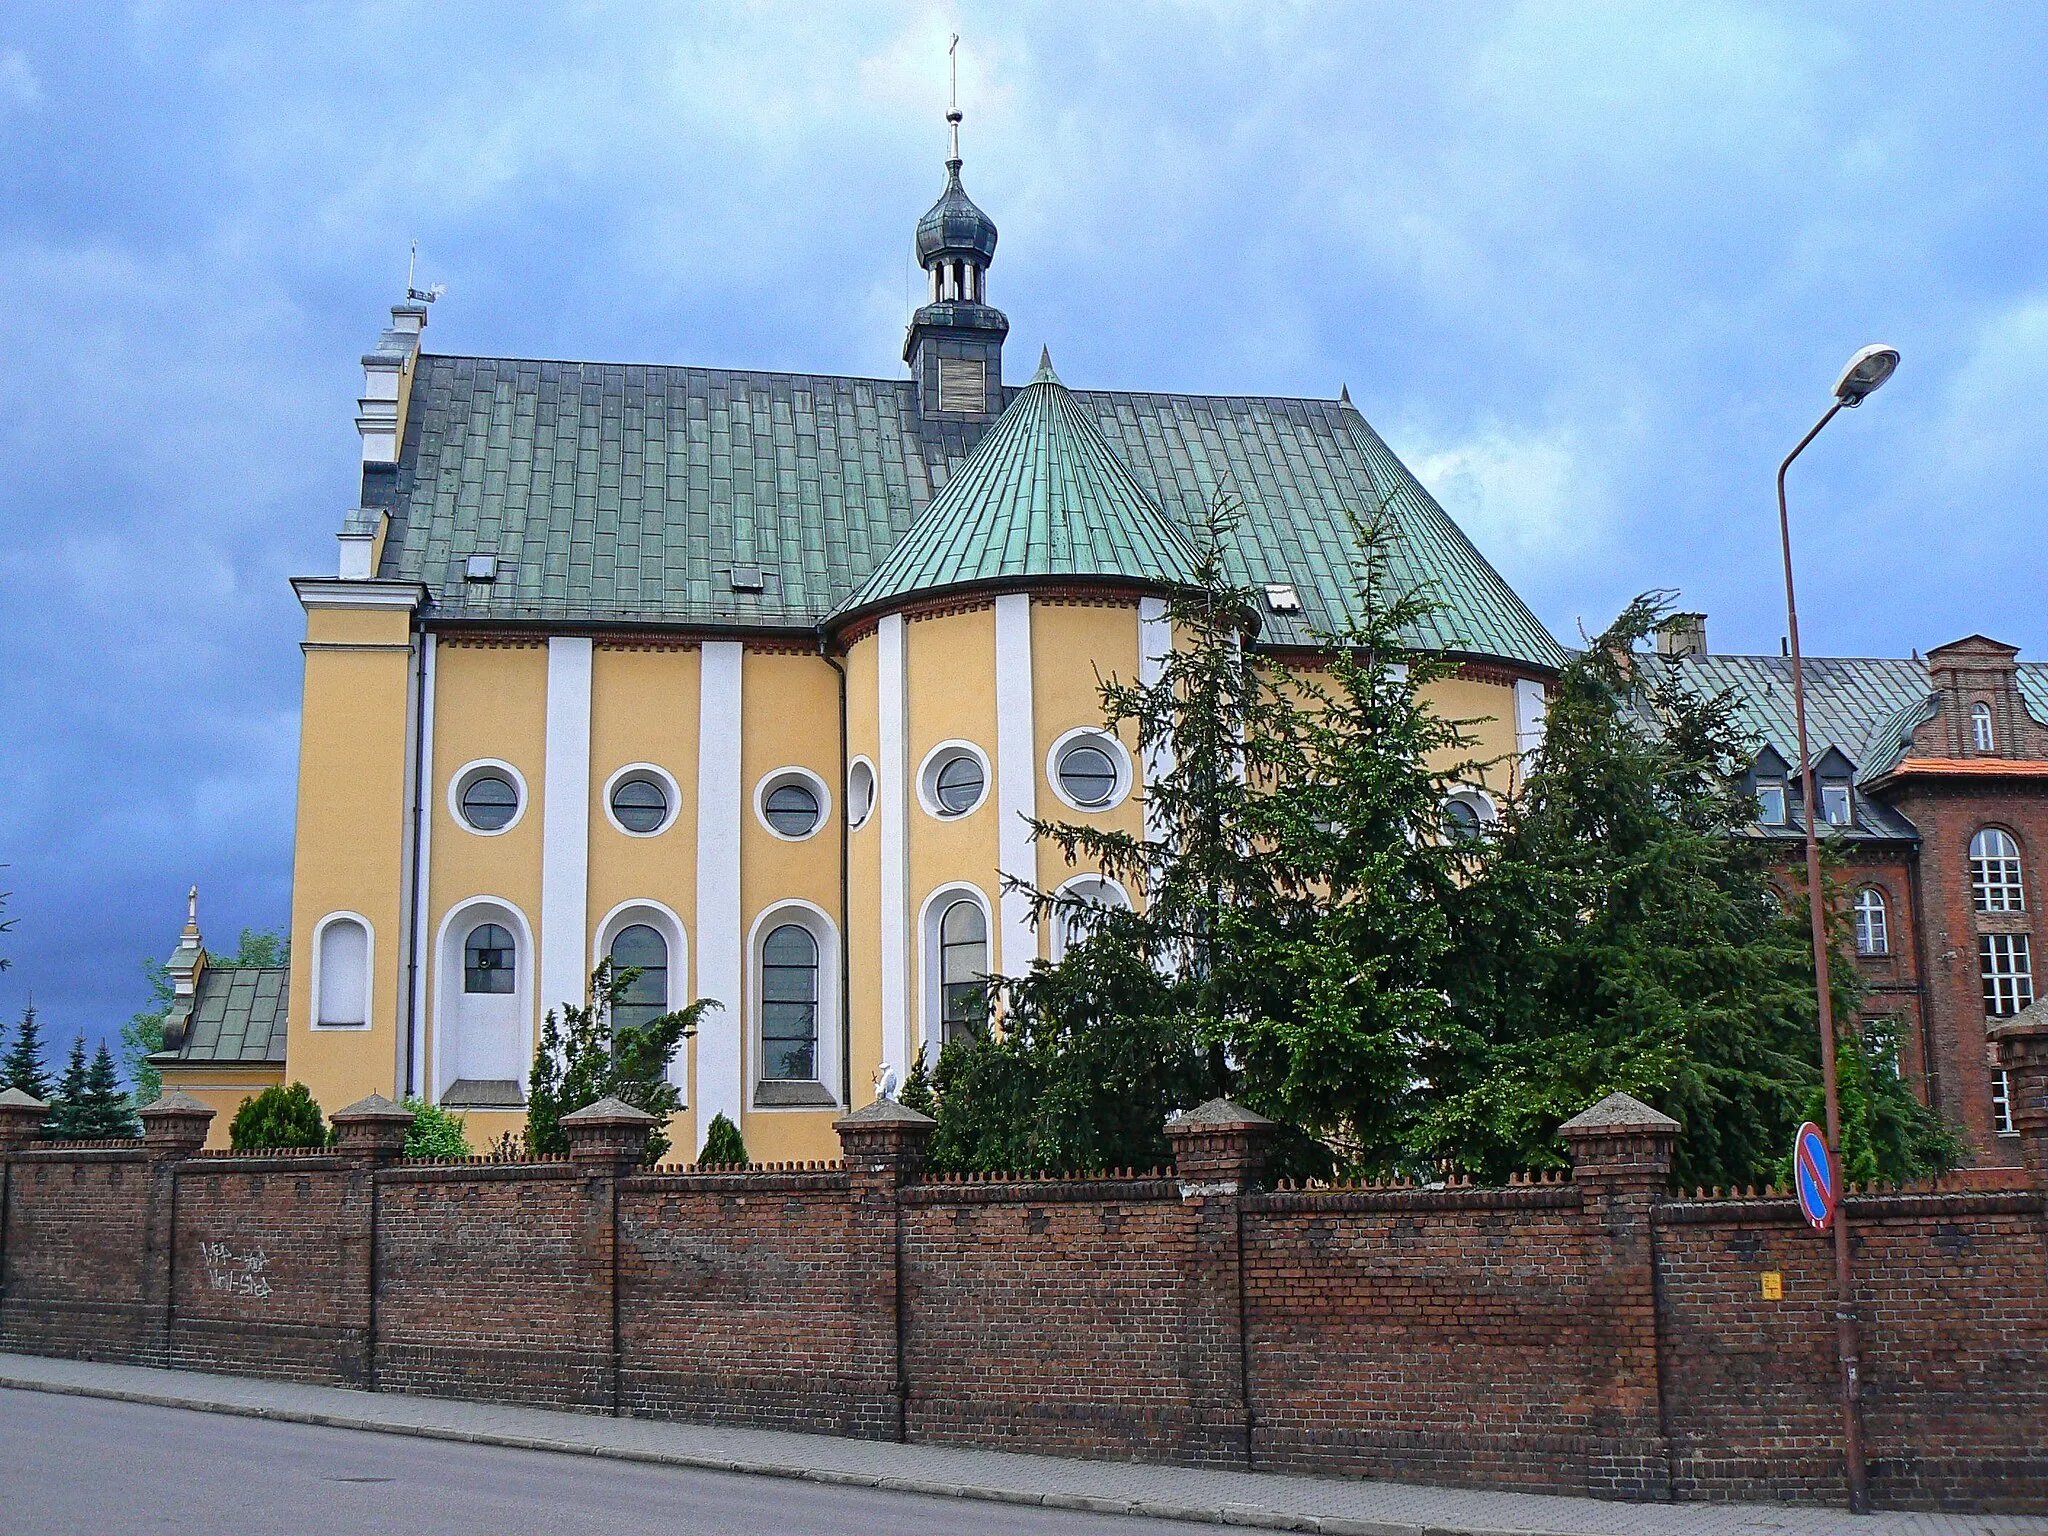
x=2001, y=1103
x=862, y=764
x=825, y=934
x=1982, y=732
x=369, y=965
x=794, y=773
x=928, y=778
x=1873, y=938
x=1997, y=881
x=1835, y=792
x=1061, y=938
x=446, y=988
x=2005, y=968
x=664, y=921
x=1763, y=810
x=931, y=980
x=661, y=776
x=459, y=782
x=1106, y=742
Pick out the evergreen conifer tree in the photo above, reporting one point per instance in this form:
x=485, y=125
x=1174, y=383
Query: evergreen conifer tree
x=724, y=1147
x=62, y=1123
x=104, y=1111
x=23, y=1067
x=1622, y=935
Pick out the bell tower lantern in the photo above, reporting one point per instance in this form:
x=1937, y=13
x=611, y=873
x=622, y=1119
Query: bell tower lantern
x=955, y=345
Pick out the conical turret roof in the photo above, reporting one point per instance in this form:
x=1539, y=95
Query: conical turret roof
x=1043, y=495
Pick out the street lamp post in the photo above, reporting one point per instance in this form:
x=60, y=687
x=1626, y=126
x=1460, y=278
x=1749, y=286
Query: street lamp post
x=1866, y=371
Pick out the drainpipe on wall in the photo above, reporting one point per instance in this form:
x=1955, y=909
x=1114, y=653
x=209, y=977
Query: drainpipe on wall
x=845, y=900
x=419, y=791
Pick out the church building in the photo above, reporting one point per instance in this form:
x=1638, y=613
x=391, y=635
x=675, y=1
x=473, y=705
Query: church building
x=751, y=681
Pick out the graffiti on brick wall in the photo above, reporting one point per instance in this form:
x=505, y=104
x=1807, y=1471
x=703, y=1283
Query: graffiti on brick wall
x=237, y=1274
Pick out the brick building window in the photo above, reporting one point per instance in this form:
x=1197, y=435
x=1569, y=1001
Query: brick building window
x=2006, y=961
x=2001, y=1103
x=1995, y=872
x=1770, y=802
x=1980, y=727
x=1873, y=936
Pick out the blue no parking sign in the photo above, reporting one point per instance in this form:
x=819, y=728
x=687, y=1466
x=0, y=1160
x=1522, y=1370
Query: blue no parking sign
x=1813, y=1176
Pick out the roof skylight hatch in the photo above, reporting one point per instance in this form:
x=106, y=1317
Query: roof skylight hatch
x=749, y=578
x=1282, y=598
x=481, y=568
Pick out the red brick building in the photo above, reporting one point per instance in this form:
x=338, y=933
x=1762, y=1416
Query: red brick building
x=1933, y=781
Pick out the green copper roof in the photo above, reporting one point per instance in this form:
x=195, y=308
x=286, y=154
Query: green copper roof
x=238, y=1018
x=627, y=494
x=1042, y=496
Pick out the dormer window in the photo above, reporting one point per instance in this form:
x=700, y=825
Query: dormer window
x=1834, y=804
x=1980, y=727
x=1770, y=802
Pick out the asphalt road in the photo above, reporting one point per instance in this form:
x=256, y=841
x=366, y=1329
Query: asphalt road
x=99, y=1468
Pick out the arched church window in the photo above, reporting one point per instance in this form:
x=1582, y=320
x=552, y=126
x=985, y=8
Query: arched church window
x=789, y=1005
x=641, y=949
x=963, y=962
x=1995, y=872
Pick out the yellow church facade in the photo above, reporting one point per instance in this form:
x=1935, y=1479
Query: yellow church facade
x=753, y=682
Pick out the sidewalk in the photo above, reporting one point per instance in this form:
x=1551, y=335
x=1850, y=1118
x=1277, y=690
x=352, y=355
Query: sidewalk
x=1180, y=1493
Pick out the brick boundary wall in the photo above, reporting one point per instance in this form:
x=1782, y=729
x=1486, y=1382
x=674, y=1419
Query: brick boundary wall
x=1593, y=1335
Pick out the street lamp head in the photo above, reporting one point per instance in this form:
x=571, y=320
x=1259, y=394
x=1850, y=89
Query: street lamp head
x=1867, y=369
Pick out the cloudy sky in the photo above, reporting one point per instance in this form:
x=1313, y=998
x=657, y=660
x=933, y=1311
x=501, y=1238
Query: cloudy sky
x=1589, y=270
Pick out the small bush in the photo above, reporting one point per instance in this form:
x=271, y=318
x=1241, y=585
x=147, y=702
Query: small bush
x=435, y=1132
x=723, y=1143
x=278, y=1117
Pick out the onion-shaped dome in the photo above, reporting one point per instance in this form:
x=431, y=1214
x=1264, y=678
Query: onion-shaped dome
x=955, y=227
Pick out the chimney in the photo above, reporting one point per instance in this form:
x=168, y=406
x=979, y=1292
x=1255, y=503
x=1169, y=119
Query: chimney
x=1682, y=634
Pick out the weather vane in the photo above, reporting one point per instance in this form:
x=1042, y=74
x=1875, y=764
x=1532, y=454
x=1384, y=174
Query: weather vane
x=420, y=295
x=953, y=96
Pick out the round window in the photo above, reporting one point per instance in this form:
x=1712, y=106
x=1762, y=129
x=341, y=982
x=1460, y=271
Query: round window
x=792, y=809
x=489, y=802
x=957, y=785
x=1088, y=774
x=1465, y=817
x=860, y=792
x=640, y=804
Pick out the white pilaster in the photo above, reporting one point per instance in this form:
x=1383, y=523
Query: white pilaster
x=721, y=943
x=1016, y=778
x=892, y=805
x=565, y=826
x=1155, y=645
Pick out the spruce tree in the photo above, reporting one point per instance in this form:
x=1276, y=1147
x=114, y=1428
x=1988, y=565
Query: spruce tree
x=1622, y=936
x=23, y=1066
x=66, y=1108
x=724, y=1147
x=104, y=1111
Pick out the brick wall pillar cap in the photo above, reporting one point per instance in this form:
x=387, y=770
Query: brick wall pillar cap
x=608, y=1112
x=21, y=1117
x=1219, y=1148
x=881, y=1113
x=609, y=1131
x=372, y=1128
x=2028, y=1025
x=176, y=1124
x=885, y=1139
x=1216, y=1115
x=1619, y=1114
